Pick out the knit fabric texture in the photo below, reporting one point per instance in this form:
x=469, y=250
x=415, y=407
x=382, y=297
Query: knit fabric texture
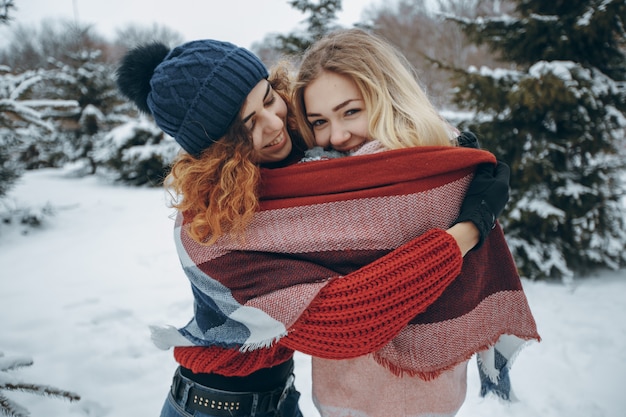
x=230, y=362
x=378, y=300
x=324, y=222
x=199, y=88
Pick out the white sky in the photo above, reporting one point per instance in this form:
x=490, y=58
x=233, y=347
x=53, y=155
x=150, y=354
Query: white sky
x=239, y=21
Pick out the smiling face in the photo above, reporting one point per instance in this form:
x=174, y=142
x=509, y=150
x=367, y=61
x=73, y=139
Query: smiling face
x=264, y=114
x=336, y=112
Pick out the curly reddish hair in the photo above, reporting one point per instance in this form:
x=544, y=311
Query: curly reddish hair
x=217, y=192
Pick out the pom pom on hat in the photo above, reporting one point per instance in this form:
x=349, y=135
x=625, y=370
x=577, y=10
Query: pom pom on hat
x=135, y=72
x=195, y=91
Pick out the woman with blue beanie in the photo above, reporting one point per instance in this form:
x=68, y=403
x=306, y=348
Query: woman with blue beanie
x=232, y=119
x=196, y=93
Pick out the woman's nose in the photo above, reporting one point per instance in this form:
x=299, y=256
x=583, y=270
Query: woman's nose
x=272, y=122
x=339, y=136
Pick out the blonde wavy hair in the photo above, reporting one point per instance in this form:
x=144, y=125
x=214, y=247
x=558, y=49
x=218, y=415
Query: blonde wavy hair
x=400, y=113
x=217, y=192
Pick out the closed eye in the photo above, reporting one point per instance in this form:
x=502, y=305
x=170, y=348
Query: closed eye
x=271, y=99
x=268, y=103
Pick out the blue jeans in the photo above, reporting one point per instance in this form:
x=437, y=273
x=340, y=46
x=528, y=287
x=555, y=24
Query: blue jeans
x=287, y=408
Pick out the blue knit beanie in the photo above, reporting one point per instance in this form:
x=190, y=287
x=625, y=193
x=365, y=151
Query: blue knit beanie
x=199, y=88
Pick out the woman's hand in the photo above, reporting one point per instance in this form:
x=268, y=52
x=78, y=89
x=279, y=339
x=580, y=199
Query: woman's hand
x=486, y=198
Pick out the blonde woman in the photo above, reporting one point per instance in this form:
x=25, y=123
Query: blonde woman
x=357, y=95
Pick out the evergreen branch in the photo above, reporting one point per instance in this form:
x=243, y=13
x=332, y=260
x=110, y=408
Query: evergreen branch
x=42, y=390
x=11, y=408
x=10, y=364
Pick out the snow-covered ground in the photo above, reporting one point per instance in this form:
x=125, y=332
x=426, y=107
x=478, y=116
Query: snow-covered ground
x=77, y=296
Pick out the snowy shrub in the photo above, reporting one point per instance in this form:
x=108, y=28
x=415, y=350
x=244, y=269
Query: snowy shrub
x=137, y=152
x=14, y=219
x=22, y=123
x=9, y=171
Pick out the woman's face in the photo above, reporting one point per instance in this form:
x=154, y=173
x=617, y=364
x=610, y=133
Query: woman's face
x=264, y=114
x=336, y=111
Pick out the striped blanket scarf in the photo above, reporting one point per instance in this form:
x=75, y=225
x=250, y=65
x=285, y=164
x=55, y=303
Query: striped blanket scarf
x=319, y=222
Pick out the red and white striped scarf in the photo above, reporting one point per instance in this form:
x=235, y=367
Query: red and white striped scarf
x=319, y=221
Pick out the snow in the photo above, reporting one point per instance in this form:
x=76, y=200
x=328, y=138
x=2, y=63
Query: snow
x=495, y=73
x=544, y=18
x=79, y=294
x=52, y=103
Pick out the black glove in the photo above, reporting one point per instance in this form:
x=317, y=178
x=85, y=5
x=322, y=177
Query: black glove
x=468, y=140
x=486, y=197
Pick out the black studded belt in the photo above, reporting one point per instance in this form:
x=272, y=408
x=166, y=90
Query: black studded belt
x=226, y=403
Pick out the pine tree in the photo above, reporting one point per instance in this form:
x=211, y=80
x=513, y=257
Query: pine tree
x=322, y=16
x=558, y=118
x=90, y=82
